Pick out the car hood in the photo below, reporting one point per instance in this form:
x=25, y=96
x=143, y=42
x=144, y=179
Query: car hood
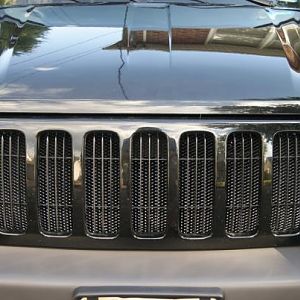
x=141, y=57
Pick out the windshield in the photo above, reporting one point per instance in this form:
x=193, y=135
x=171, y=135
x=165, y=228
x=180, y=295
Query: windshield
x=276, y=3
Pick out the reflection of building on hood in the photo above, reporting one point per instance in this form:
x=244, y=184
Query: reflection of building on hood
x=259, y=41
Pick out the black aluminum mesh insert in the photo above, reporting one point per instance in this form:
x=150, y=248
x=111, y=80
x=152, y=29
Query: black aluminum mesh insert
x=102, y=183
x=55, y=182
x=197, y=184
x=149, y=183
x=243, y=183
x=286, y=184
x=13, y=207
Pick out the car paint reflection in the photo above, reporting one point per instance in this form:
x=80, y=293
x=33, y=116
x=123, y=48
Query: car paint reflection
x=129, y=58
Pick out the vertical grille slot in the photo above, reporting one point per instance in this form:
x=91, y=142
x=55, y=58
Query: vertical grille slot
x=13, y=206
x=243, y=183
x=286, y=184
x=102, y=184
x=197, y=184
x=55, y=182
x=149, y=183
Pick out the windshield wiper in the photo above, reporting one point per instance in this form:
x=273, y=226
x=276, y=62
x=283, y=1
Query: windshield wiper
x=37, y=3
x=269, y=3
x=217, y=3
x=90, y=2
x=99, y=1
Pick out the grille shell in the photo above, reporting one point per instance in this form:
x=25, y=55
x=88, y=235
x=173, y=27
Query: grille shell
x=125, y=127
x=286, y=184
x=55, y=182
x=243, y=185
x=102, y=184
x=149, y=183
x=197, y=184
x=13, y=205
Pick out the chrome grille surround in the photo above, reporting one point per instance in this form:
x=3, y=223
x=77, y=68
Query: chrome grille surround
x=13, y=206
x=286, y=183
x=149, y=183
x=102, y=184
x=197, y=184
x=55, y=182
x=173, y=129
x=243, y=183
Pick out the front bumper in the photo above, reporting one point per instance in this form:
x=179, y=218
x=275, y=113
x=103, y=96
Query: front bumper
x=54, y=274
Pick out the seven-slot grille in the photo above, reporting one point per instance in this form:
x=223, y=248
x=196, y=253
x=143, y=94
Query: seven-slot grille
x=197, y=184
x=102, y=183
x=149, y=183
x=243, y=183
x=55, y=182
x=13, y=207
x=286, y=184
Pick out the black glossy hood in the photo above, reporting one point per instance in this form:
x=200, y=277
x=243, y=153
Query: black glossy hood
x=158, y=55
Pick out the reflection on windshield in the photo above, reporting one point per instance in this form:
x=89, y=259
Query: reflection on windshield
x=278, y=3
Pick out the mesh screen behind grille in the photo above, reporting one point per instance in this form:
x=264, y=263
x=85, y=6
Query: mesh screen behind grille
x=197, y=182
x=243, y=183
x=102, y=184
x=13, y=207
x=286, y=184
x=55, y=182
x=149, y=183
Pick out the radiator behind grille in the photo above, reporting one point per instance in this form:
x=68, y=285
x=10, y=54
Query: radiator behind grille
x=197, y=184
x=149, y=183
x=102, y=183
x=286, y=184
x=13, y=207
x=243, y=183
x=55, y=182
